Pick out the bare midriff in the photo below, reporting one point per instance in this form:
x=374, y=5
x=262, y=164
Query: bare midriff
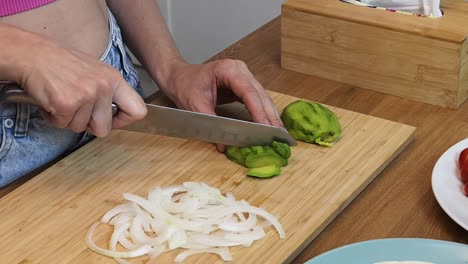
x=81, y=25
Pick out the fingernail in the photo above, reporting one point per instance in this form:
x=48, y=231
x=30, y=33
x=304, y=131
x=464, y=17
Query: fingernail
x=220, y=148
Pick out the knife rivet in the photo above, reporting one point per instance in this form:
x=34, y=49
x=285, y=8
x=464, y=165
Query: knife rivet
x=8, y=123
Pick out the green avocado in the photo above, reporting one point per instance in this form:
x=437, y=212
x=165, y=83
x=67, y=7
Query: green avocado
x=235, y=154
x=257, y=149
x=282, y=148
x=245, y=151
x=256, y=161
x=271, y=151
x=260, y=156
x=311, y=122
x=265, y=171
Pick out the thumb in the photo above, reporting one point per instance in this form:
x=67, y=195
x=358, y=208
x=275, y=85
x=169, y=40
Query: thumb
x=131, y=106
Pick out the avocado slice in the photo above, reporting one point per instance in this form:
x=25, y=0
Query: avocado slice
x=234, y=154
x=282, y=148
x=270, y=158
x=257, y=149
x=265, y=171
x=255, y=161
x=245, y=151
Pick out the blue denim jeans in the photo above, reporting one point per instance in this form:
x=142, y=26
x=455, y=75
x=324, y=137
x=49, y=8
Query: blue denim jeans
x=28, y=142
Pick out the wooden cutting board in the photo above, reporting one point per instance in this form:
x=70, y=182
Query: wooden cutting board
x=46, y=219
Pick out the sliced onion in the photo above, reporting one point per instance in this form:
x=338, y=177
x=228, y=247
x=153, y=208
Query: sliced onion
x=121, y=219
x=128, y=207
x=192, y=216
x=157, y=250
x=255, y=234
x=137, y=234
x=156, y=211
x=123, y=240
x=113, y=253
x=118, y=232
x=222, y=252
x=240, y=226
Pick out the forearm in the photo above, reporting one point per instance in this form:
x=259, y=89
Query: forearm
x=15, y=52
x=146, y=34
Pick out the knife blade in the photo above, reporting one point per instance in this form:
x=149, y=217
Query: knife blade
x=210, y=128
x=179, y=123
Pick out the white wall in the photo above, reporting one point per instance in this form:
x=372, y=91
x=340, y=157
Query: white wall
x=164, y=6
x=202, y=28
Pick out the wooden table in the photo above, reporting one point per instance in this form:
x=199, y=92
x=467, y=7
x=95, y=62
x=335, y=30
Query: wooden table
x=400, y=202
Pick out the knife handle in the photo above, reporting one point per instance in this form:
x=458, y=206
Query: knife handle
x=11, y=93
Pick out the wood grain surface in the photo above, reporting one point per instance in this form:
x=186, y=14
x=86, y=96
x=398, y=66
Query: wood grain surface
x=450, y=27
x=400, y=202
x=53, y=211
x=367, y=55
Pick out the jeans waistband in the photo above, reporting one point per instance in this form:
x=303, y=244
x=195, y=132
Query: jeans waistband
x=114, y=35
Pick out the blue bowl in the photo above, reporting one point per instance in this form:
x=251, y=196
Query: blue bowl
x=396, y=249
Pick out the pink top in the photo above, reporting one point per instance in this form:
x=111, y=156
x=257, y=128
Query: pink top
x=10, y=7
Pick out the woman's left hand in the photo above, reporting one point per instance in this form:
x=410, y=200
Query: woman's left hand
x=200, y=87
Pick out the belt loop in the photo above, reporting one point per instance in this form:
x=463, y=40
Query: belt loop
x=22, y=120
x=112, y=21
x=118, y=42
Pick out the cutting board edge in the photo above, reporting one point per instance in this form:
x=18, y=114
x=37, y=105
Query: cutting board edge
x=332, y=217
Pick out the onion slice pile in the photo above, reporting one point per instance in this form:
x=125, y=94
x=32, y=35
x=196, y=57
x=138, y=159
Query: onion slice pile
x=192, y=216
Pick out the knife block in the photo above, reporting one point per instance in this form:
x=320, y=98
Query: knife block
x=419, y=58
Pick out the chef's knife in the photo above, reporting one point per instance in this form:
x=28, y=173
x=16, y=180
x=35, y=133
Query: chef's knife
x=178, y=123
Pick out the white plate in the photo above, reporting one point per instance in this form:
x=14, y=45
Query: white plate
x=448, y=187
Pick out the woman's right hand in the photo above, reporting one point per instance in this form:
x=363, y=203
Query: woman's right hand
x=74, y=90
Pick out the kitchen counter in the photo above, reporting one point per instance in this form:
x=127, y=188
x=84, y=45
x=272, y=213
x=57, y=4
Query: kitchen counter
x=399, y=202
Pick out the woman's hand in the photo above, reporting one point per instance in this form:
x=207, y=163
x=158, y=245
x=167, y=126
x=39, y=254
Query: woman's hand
x=192, y=87
x=76, y=91
x=201, y=87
